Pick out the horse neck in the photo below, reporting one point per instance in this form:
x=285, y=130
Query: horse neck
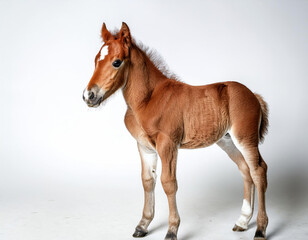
x=143, y=77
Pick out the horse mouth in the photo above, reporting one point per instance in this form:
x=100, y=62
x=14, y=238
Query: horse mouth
x=96, y=103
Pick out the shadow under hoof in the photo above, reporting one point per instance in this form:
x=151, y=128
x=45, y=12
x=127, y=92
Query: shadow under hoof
x=170, y=236
x=139, y=233
x=238, y=229
x=259, y=238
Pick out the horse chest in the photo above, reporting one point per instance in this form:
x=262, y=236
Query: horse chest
x=137, y=131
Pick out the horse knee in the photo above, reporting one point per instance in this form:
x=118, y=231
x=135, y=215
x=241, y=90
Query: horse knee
x=259, y=177
x=170, y=186
x=148, y=184
x=245, y=171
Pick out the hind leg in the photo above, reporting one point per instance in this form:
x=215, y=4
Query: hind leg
x=258, y=169
x=228, y=146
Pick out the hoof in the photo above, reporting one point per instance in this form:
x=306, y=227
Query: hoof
x=259, y=235
x=139, y=233
x=238, y=229
x=170, y=236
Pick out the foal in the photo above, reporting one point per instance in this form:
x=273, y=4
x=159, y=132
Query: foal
x=164, y=115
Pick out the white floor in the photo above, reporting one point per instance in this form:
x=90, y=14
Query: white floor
x=106, y=208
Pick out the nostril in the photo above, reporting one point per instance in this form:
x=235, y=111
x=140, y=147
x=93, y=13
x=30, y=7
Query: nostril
x=91, y=95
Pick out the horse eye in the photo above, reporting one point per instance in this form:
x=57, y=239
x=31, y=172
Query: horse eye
x=117, y=63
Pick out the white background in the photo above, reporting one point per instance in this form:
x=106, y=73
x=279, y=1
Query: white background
x=68, y=172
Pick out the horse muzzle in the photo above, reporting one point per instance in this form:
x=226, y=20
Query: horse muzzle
x=93, y=96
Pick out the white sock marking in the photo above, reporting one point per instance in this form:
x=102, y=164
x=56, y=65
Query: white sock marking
x=246, y=214
x=149, y=162
x=149, y=158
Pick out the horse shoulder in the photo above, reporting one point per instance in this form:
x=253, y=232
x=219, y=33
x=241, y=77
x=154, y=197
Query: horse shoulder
x=136, y=130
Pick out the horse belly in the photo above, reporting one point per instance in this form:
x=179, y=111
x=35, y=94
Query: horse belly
x=204, y=126
x=201, y=138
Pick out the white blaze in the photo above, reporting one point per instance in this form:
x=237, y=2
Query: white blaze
x=104, y=52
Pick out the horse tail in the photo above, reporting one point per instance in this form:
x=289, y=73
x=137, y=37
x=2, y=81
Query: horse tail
x=263, y=129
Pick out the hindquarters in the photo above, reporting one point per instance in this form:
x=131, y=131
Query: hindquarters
x=248, y=114
x=211, y=111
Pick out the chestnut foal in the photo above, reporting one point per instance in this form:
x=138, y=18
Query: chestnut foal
x=164, y=115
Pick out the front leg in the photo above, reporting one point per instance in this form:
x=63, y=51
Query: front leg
x=149, y=162
x=167, y=151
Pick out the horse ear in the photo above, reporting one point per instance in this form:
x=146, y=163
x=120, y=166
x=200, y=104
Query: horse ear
x=125, y=36
x=105, y=34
